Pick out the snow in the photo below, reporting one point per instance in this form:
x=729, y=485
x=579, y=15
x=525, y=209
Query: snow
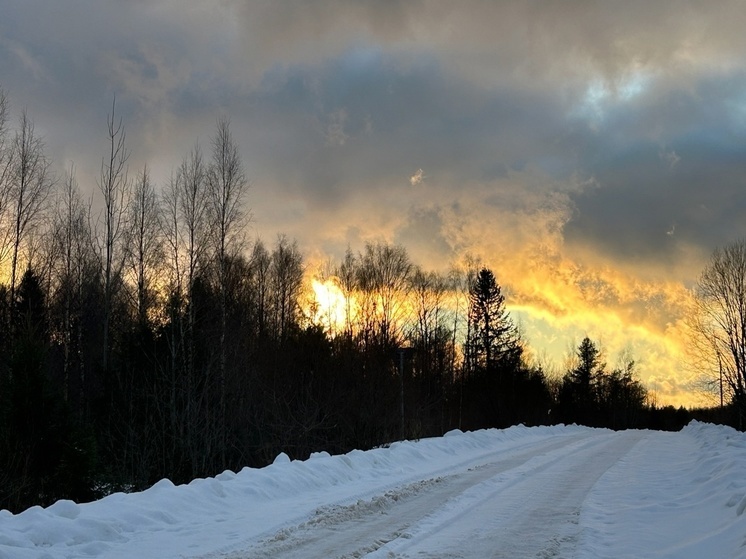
x=561, y=491
x=680, y=494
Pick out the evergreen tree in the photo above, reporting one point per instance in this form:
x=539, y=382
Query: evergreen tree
x=493, y=338
x=492, y=355
x=578, y=396
x=44, y=456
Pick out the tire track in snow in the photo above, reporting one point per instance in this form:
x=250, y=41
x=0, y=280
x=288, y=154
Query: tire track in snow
x=532, y=511
x=471, y=513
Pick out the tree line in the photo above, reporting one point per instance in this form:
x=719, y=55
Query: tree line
x=151, y=339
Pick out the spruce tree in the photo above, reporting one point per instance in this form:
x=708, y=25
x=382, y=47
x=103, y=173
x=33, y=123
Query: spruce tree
x=493, y=338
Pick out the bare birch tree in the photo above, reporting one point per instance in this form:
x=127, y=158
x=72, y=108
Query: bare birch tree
x=191, y=184
x=145, y=242
x=227, y=187
x=29, y=190
x=383, y=277
x=259, y=269
x=6, y=162
x=73, y=263
x=186, y=228
x=348, y=284
x=115, y=190
x=287, y=282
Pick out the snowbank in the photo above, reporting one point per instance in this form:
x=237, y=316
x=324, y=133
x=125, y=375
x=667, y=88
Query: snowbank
x=677, y=495
x=172, y=521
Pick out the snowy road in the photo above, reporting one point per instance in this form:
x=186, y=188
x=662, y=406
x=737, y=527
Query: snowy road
x=540, y=492
x=521, y=503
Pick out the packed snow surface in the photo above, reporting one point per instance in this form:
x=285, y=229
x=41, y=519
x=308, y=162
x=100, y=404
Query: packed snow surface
x=562, y=491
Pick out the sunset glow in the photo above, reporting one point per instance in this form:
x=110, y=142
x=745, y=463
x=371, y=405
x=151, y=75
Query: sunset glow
x=593, y=156
x=329, y=305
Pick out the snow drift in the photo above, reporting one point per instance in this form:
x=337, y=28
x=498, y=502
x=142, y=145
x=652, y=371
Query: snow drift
x=673, y=495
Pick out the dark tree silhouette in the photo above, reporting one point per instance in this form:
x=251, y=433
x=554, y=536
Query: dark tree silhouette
x=493, y=338
x=30, y=185
x=43, y=455
x=718, y=324
x=578, y=396
x=227, y=187
x=114, y=187
x=492, y=354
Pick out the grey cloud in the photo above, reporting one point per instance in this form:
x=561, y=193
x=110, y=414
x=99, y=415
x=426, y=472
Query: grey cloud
x=424, y=237
x=641, y=195
x=64, y=62
x=336, y=101
x=529, y=41
x=365, y=118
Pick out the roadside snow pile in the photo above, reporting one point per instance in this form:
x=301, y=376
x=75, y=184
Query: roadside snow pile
x=722, y=462
x=188, y=520
x=679, y=495
x=674, y=495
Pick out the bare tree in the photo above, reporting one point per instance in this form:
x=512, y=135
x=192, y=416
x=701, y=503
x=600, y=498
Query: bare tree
x=227, y=186
x=115, y=190
x=461, y=279
x=72, y=244
x=428, y=291
x=383, y=277
x=6, y=162
x=30, y=187
x=430, y=334
x=193, y=206
x=186, y=227
x=719, y=319
x=287, y=282
x=348, y=284
x=145, y=242
x=171, y=232
x=259, y=269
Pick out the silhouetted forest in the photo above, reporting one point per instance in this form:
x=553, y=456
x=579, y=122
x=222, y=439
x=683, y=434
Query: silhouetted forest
x=149, y=338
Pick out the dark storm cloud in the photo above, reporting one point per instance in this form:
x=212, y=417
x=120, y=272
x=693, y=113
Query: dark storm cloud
x=670, y=169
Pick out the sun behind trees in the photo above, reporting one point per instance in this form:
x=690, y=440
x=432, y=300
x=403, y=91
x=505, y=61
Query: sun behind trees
x=151, y=340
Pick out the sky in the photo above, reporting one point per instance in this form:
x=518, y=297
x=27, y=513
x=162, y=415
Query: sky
x=592, y=154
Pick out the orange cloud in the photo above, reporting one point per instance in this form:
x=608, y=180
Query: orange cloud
x=558, y=293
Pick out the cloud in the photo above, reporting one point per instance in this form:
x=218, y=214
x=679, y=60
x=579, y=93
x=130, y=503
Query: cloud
x=499, y=42
x=670, y=157
x=561, y=141
x=335, y=128
x=417, y=178
x=28, y=61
